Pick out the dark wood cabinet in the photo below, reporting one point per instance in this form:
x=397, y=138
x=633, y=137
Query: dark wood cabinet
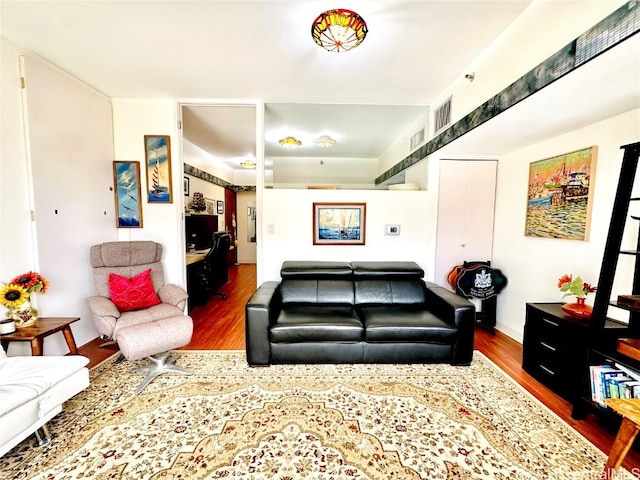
x=555, y=347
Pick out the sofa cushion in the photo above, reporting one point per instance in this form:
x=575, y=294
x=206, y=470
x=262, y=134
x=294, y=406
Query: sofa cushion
x=317, y=324
x=315, y=270
x=327, y=292
x=406, y=270
x=389, y=291
x=24, y=378
x=405, y=324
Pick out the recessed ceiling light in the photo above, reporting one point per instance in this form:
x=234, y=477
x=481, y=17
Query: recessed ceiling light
x=290, y=142
x=325, y=141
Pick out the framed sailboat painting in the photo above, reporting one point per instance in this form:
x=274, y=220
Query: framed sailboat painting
x=157, y=152
x=339, y=223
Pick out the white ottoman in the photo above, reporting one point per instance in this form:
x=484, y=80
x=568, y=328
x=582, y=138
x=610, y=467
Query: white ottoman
x=155, y=340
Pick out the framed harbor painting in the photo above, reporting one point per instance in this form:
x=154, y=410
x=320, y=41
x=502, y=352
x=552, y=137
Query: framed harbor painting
x=560, y=195
x=126, y=180
x=157, y=154
x=339, y=223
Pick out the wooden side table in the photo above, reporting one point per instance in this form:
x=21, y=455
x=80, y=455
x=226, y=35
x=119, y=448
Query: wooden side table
x=43, y=327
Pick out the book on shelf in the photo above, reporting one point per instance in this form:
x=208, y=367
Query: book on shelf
x=613, y=381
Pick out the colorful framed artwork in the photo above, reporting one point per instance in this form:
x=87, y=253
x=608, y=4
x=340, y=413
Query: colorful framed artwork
x=185, y=186
x=126, y=180
x=560, y=195
x=220, y=207
x=339, y=223
x=157, y=154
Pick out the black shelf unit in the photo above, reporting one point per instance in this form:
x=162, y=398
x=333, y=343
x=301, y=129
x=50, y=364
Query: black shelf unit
x=600, y=351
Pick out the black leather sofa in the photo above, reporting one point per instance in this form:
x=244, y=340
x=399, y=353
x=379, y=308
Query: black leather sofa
x=358, y=312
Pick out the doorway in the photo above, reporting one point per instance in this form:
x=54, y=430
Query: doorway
x=219, y=165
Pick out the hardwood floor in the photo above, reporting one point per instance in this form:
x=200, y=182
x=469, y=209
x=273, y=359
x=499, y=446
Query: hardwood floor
x=219, y=325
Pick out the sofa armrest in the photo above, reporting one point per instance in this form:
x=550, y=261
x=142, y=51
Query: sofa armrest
x=458, y=311
x=173, y=295
x=105, y=314
x=260, y=312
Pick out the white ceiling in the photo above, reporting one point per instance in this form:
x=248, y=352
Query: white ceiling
x=238, y=51
x=249, y=50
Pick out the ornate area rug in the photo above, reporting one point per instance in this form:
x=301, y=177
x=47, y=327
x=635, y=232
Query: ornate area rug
x=295, y=422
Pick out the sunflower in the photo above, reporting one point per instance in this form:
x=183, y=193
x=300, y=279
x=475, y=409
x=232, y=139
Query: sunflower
x=12, y=296
x=31, y=282
x=26, y=280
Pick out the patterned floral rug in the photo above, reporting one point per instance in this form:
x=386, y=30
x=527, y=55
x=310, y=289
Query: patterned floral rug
x=306, y=422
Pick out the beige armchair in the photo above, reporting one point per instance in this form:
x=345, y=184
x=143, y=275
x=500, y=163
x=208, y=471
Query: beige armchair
x=149, y=331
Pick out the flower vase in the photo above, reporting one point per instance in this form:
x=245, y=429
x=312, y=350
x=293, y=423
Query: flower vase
x=579, y=309
x=24, y=316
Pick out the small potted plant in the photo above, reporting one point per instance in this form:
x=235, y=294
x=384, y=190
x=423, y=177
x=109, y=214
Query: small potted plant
x=579, y=288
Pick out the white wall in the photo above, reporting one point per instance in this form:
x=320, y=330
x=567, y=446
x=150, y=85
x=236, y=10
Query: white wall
x=70, y=150
x=56, y=161
x=534, y=265
x=539, y=32
x=163, y=223
x=290, y=214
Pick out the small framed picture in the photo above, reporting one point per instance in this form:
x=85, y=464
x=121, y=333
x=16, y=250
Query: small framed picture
x=185, y=186
x=211, y=205
x=220, y=207
x=126, y=180
x=339, y=223
x=157, y=153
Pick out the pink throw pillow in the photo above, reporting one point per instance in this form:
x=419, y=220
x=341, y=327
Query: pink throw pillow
x=133, y=293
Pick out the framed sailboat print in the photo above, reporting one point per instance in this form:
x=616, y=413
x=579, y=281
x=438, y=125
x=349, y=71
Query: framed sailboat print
x=339, y=223
x=126, y=180
x=157, y=153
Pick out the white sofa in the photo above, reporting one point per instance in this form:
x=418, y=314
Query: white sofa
x=32, y=391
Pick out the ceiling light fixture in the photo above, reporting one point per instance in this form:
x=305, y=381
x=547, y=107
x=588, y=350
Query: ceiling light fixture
x=290, y=142
x=339, y=30
x=325, y=141
x=248, y=164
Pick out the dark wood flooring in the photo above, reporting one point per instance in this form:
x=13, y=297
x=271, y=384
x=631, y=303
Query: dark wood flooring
x=219, y=325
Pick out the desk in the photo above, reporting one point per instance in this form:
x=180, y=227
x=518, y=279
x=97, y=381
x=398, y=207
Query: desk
x=43, y=327
x=196, y=256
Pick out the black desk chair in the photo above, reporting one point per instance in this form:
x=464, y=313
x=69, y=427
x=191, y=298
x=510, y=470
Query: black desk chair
x=214, y=266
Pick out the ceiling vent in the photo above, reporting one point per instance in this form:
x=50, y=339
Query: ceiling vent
x=442, y=116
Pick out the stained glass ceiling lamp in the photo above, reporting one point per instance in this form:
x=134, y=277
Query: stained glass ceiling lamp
x=339, y=30
x=325, y=141
x=290, y=142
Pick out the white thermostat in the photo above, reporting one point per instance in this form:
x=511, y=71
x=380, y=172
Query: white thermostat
x=391, y=229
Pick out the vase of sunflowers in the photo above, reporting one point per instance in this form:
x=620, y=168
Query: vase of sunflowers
x=579, y=288
x=16, y=297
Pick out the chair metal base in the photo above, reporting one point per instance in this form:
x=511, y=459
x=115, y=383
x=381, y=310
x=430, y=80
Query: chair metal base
x=161, y=364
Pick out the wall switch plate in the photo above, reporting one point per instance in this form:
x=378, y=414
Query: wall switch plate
x=271, y=229
x=392, y=229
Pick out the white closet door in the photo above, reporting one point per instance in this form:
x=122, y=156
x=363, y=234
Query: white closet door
x=466, y=203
